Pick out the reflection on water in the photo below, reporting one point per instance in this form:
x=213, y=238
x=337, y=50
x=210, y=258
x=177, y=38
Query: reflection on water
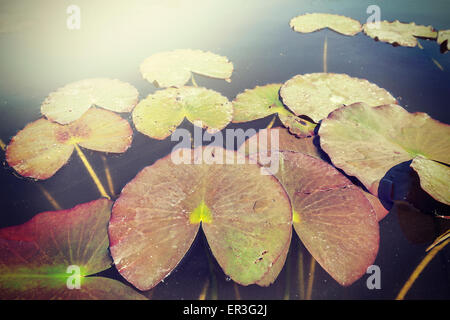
x=39, y=54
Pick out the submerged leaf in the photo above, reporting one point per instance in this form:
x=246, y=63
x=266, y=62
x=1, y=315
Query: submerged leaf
x=36, y=256
x=434, y=178
x=158, y=115
x=69, y=103
x=245, y=215
x=174, y=68
x=367, y=141
x=333, y=218
x=396, y=32
x=311, y=22
x=43, y=147
x=263, y=101
x=317, y=94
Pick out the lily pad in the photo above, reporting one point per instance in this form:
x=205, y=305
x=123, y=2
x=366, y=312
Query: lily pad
x=434, y=178
x=158, y=115
x=444, y=37
x=311, y=22
x=317, y=94
x=43, y=147
x=261, y=142
x=36, y=257
x=175, y=68
x=403, y=34
x=333, y=217
x=367, y=141
x=245, y=215
x=69, y=103
x=262, y=101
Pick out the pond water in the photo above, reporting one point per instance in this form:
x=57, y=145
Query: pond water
x=41, y=54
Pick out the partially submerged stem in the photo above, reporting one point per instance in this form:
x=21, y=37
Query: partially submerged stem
x=50, y=198
x=2, y=145
x=325, y=49
x=194, y=83
x=236, y=291
x=419, y=269
x=108, y=176
x=287, y=288
x=202, y=295
x=269, y=126
x=301, y=278
x=312, y=268
x=91, y=172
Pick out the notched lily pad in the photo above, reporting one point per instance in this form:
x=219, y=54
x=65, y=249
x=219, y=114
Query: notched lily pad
x=158, y=115
x=36, y=256
x=175, y=68
x=317, y=94
x=443, y=39
x=367, y=141
x=245, y=215
x=69, y=103
x=434, y=178
x=311, y=22
x=333, y=217
x=43, y=147
x=263, y=101
x=403, y=34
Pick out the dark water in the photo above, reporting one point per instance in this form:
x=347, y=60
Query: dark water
x=255, y=35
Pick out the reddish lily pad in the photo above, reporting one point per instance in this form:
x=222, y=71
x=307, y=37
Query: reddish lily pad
x=333, y=218
x=311, y=22
x=317, y=94
x=175, y=68
x=367, y=141
x=245, y=215
x=43, y=147
x=35, y=256
x=262, y=101
x=69, y=103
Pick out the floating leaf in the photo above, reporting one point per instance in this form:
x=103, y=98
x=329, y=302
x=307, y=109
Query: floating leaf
x=366, y=141
x=434, y=178
x=332, y=216
x=158, y=115
x=317, y=94
x=36, y=256
x=174, y=68
x=444, y=37
x=69, y=103
x=311, y=22
x=262, y=101
x=396, y=32
x=245, y=215
x=43, y=147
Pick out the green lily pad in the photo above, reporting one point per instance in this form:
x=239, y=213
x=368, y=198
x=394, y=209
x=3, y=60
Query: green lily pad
x=311, y=22
x=43, y=147
x=262, y=101
x=36, y=256
x=69, y=103
x=434, y=178
x=396, y=32
x=175, y=68
x=158, y=115
x=367, y=141
x=334, y=218
x=317, y=94
x=245, y=215
x=444, y=36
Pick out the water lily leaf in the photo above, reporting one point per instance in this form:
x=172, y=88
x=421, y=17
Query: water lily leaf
x=367, y=141
x=245, y=215
x=262, y=101
x=70, y=102
x=333, y=218
x=36, y=256
x=434, y=178
x=317, y=94
x=174, y=68
x=311, y=22
x=396, y=32
x=444, y=36
x=158, y=115
x=43, y=147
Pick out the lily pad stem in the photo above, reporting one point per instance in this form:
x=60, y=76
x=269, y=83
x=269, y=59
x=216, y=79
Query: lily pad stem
x=312, y=268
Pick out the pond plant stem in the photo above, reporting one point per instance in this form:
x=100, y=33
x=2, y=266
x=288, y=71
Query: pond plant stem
x=269, y=126
x=401, y=295
x=50, y=198
x=312, y=268
x=204, y=291
x=236, y=291
x=301, y=277
x=194, y=83
x=91, y=172
x=2, y=145
x=108, y=176
x=287, y=287
x=325, y=49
